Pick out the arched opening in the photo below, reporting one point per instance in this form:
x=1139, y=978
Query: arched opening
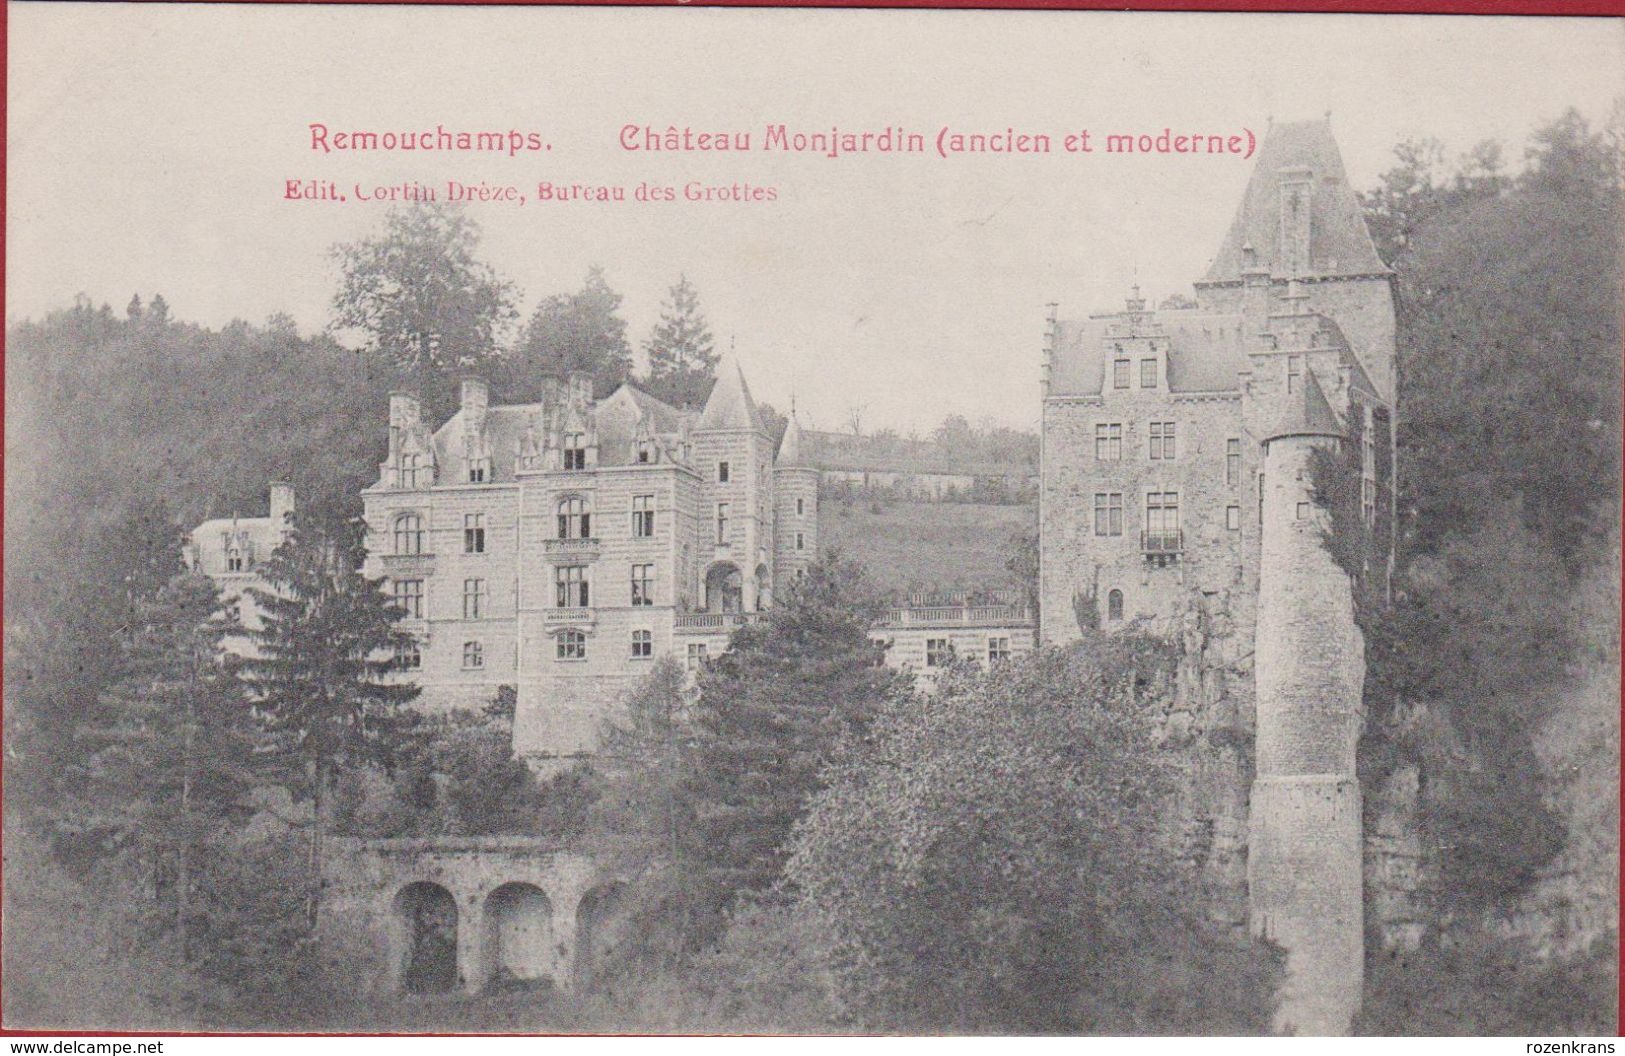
x=764, y=589
x=518, y=936
x=1114, y=605
x=428, y=919
x=724, y=589
x=602, y=925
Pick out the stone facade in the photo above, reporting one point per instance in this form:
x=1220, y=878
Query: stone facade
x=1177, y=492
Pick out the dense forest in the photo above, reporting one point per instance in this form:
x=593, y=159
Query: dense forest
x=1493, y=657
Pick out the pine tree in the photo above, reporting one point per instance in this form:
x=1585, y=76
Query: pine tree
x=325, y=648
x=168, y=762
x=682, y=362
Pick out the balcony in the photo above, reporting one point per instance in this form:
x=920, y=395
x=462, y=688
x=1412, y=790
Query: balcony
x=574, y=615
x=711, y=622
x=401, y=566
x=1163, y=546
x=957, y=616
x=587, y=549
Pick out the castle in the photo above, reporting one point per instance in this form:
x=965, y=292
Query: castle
x=1177, y=489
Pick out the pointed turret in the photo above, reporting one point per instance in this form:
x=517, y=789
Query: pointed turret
x=1299, y=215
x=790, y=446
x=1303, y=413
x=730, y=405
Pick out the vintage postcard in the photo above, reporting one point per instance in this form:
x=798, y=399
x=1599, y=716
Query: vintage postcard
x=694, y=521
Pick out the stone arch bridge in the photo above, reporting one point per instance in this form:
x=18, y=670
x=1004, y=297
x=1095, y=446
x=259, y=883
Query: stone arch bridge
x=469, y=914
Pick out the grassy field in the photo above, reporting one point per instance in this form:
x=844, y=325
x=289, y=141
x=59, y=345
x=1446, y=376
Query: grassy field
x=925, y=546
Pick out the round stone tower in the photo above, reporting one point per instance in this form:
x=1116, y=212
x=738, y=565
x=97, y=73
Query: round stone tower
x=1304, y=856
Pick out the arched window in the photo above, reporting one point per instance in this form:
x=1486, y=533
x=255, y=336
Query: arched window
x=409, y=534
x=572, y=645
x=1114, y=605
x=234, y=560
x=575, y=519
x=409, y=470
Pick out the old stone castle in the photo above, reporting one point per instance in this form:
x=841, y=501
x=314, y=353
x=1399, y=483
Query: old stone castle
x=562, y=545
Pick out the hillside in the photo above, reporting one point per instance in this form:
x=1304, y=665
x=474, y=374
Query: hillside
x=926, y=546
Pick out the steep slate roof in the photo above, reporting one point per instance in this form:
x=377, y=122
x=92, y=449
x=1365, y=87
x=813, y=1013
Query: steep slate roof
x=617, y=421
x=1339, y=242
x=730, y=405
x=1205, y=353
x=504, y=427
x=790, y=446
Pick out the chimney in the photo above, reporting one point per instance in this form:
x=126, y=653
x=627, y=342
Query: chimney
x=281, y=503
x=476, y=397
x=1255, y=298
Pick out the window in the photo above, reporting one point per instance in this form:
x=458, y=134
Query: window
x=1232, y=518
x=646, y=451
x=696, y=655
x=937, y=652
x=409, y=597
x=1108, y=513
x=234, y=560
x=1303, y=511
x=643, y=516
x=998, y=650
x=572, y=645
x=575, y=450
x=479, y=470
x=410, y=465
x=1148, y=373
x=643, y=584
x=722, y=523
x=473, y=655
x=1232, y=461
x=801, y=507
x=473, y=533
x=801, y=541
x=1162, y=520
x=1162, y=440
x=643, y=645
x=570, y=586
x=409, y=534
x=575, y=519
x=407, y=656
x=1368, y=469
x=722, y=472
x=1294, y=372
x=1120, y=374
x=474, y=599
x=1114, y=605
x=1109, y=441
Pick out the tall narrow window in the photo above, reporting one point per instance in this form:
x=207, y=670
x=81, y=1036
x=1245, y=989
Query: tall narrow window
x=722, y=522
x=643, y=584
x=409, y=597
x=570, y=586
x=801, y=541
x=1294, y=373
x=1162, y=521
x=1114, y=605
x=1120, y=373
x=1108, y=441
x=473, y=533
x=409, y=534
x=1232, y=518
x=572, y=645
x=575, y=450
x=1148, y=373
x=1232, y=461
x=722, y=472
x=1162, y=440
x=696, y=655
x=643, y=516
x=410, y=466
x=801, y=507
x=473, y=655
x=643, y=645
x=1368, y=468
x=575, y=519
x=474, y=599
x=1108, y=513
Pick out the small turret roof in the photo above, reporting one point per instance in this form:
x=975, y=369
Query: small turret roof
x=790, y=446
x=730, y=405
x=1303, y=414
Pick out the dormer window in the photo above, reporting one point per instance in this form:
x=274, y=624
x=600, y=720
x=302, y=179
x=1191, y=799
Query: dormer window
x=1120, y=369
x=646, y=451
x=1148, y=373
x=410, y=467
x=234, y=560
x=479, y=470
x=575, y=450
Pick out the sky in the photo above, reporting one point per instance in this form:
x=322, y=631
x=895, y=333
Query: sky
x=150, y=147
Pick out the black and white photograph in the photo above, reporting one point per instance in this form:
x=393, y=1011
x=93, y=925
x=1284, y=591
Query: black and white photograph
x=710, y=521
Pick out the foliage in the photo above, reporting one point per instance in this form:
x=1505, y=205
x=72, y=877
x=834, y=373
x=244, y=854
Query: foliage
x=579, y=332
x=682, y=361
x=421, y=296
x=1490, y=985
x=995, y=859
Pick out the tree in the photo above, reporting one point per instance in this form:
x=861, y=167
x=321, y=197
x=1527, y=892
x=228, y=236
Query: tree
x=421, y=297
x=772, y=710
x=169, y=764
x=682, y=362
x=571, y=333
x=1000, y=858
x=327, y=643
